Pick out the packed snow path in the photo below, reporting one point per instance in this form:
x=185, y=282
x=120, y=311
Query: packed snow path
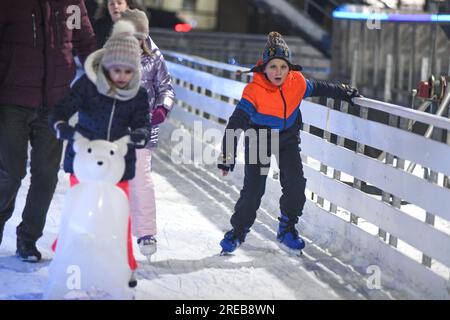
x=194, y=207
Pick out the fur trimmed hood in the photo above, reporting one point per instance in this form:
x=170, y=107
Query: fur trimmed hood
x=96, y=74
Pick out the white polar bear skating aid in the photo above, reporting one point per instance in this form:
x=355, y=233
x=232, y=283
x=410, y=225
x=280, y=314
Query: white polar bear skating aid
x=90, y=260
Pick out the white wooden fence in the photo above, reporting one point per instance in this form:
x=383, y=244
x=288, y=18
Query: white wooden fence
x=403, y=228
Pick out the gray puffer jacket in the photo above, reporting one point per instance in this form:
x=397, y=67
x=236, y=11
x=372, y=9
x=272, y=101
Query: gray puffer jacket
x=158, y=83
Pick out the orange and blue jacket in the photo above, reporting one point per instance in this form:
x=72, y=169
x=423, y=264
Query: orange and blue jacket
x=272, y=106
x=265, y=105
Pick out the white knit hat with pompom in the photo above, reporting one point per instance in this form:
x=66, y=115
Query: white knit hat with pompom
x=122, y=48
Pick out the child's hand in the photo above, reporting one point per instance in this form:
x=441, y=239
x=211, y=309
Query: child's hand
x=225, y=164
x=158, y=115
x=64, y=131
x=350, y=93
x=138, y=137
x=225, y=168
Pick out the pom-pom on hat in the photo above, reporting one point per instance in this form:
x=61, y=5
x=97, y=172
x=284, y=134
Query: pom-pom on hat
x=122, y=48
x=276, y=48
x=139, y=19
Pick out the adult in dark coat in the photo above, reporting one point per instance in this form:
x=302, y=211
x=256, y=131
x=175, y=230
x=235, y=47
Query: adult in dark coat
x=37, y=38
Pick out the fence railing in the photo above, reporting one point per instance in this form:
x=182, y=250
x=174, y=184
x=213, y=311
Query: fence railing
x=364, y=210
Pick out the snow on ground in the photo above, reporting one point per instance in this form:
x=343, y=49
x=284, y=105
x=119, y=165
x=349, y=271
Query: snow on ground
x=194, y=207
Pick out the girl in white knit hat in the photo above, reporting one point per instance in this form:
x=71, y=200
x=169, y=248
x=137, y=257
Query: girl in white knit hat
x=157, y=81
x=110, y=103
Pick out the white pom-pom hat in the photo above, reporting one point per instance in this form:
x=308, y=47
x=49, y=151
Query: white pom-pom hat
x=122, y=48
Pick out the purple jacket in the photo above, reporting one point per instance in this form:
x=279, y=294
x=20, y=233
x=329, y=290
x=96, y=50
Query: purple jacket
x=36, y=43
x=158, y=83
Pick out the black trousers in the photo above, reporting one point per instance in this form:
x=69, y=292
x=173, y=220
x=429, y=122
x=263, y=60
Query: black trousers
x=292, y=181
x=18, y=127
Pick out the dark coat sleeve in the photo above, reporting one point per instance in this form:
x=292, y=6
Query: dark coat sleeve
x=239, y=121
x=2, y=23
x=70, y=104
x=318, y=88
x=84, y=40
x=3, y=66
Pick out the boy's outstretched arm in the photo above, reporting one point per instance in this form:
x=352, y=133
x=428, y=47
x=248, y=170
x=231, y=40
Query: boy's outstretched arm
x=318, y=88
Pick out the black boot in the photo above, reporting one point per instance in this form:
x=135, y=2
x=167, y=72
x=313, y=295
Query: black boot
x=27, y=251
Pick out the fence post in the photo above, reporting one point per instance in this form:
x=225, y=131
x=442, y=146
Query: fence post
x=385, y=196
x=431, y=177
x=389, y=159
x=400, y=84
x=360, y=148
x=355, y=69
x=412, y=60
x=376, y=65
x=424, y=71
x=340, y=142
x=327, y=137
x=448, y=72
x=388, y=79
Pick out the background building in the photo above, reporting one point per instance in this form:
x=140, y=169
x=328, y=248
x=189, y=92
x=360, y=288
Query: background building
x=201, y=14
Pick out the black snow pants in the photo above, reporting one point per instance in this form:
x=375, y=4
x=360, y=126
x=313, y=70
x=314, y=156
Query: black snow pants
x=292, y=179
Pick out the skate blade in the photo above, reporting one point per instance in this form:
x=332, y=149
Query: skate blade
x=294, y=253
x=31, y=259
x=291, y=252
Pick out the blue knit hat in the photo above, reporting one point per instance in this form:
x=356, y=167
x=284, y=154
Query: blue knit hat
x=276, y=48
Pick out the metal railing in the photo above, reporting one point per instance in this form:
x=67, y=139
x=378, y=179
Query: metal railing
x=388, y=61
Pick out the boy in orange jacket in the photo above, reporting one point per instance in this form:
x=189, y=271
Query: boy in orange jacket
x=271, y=103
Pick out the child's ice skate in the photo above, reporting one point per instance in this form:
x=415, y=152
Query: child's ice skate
x=232, y=240
x=147, y=246
x=288, y=236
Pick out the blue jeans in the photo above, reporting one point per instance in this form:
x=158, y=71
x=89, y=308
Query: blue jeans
x=18, y=127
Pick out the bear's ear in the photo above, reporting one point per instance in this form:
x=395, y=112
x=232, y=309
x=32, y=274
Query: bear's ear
x=79, y=142
x=122, y=144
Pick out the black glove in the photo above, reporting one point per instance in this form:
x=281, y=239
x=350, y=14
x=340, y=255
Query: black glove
x=139, y=138
x=349, y=93
x=64, y=131
x=225, y=163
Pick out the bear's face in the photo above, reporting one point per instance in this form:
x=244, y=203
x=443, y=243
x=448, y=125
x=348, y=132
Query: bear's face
x=99, y=160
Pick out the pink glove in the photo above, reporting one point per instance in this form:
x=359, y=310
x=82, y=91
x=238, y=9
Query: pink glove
x=158, y=115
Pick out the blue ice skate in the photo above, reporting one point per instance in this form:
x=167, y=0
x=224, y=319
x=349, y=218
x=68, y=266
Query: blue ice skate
x=232, y=240
x=288, y=235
